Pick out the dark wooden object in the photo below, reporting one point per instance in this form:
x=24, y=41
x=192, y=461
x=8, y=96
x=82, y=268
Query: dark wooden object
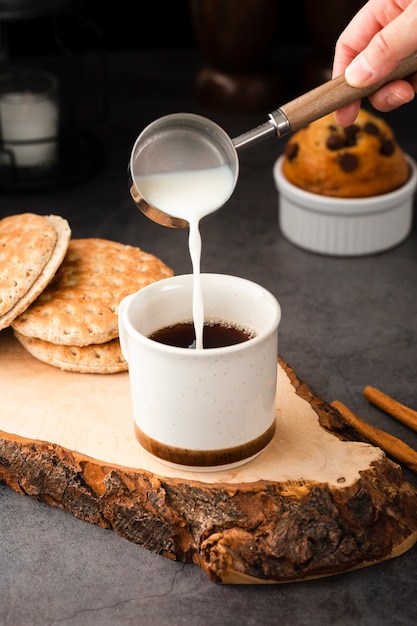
x=235, y=40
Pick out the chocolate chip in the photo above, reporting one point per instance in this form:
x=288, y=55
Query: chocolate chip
x=353, y=129
x=348, y=162
x=371, y=128
x=291, y=150
x=387, y=147
x=334, y=142
x=350, y=133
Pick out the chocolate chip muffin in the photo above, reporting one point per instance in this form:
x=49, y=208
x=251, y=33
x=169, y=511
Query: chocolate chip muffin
x=354, y=162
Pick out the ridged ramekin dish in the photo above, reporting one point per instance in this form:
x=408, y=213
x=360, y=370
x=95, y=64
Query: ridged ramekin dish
x=345, y=226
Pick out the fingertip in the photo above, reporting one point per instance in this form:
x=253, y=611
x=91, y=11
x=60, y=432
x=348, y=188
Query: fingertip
x=402, y=93
x=360, y=73
x=347, y=115
x=392, y=96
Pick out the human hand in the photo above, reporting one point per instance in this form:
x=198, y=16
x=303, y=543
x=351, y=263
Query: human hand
x=381, y=35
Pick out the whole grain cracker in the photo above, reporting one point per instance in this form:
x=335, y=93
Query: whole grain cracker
x=63, y=233
x=27, y=241
x=80, y=306
x=103, y=358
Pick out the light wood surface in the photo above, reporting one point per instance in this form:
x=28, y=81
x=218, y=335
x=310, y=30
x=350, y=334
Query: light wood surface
x=92, y=414
x=68, y=439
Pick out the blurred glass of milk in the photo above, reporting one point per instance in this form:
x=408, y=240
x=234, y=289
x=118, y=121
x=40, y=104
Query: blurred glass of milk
x=29, y=118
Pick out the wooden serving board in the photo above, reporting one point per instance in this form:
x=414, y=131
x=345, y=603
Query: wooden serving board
x=318, y=501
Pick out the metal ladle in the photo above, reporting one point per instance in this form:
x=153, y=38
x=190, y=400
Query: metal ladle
x=185, y=141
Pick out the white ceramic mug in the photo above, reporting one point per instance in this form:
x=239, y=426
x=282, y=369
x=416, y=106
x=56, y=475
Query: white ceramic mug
x=208, y=408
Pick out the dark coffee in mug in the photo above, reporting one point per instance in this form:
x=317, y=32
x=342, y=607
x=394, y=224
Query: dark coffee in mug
x=215, y=334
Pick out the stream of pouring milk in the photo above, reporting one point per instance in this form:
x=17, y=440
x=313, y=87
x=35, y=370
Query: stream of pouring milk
x=190, y=195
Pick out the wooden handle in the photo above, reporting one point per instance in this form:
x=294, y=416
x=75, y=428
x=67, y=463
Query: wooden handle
x=337, y=93
x=392, y=446
x=394, y=408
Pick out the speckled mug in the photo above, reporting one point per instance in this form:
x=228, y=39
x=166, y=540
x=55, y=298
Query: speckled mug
x=210, y=408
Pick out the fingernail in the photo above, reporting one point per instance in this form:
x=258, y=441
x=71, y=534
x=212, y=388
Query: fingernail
x=359, y=73
x=395, y=99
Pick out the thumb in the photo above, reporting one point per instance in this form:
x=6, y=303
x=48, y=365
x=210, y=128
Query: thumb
x=386, y=50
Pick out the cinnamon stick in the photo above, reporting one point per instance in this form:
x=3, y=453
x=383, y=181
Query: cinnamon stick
x=392, y=446
x=394, y=408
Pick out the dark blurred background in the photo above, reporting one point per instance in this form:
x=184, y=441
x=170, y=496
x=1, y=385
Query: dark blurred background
x=232, y=38
x=130, y=25
x=233, y=57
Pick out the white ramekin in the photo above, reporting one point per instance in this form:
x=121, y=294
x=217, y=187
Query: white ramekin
x=345, y=226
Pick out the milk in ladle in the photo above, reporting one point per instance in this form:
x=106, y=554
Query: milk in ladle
x=190, y=195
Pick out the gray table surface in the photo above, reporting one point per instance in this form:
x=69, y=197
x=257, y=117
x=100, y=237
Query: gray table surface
x=346, y=323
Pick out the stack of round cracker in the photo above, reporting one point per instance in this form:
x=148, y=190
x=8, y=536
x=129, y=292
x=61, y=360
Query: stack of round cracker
x=73, y=324
x=32, y=247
